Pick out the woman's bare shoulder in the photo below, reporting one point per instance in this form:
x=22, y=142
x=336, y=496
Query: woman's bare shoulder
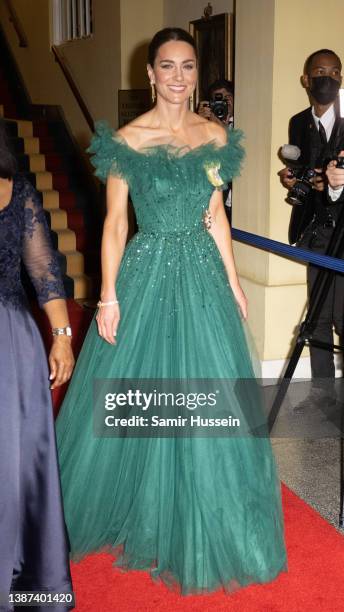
x=210, y=130
x=135, y=132
x=217, y=132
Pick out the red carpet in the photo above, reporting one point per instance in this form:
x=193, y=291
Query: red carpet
x=314, y=581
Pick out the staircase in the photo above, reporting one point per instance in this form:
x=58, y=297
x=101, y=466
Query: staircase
x=46, y=156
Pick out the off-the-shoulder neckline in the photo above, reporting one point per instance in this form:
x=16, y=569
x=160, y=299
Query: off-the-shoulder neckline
x=170, y=148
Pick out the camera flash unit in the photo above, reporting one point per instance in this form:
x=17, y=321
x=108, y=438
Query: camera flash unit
x=341, y=102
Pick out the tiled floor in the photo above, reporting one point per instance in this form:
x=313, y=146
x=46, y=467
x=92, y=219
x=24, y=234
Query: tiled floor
x=307, y=449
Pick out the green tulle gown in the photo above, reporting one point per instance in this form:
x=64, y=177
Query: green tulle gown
x=199, y=513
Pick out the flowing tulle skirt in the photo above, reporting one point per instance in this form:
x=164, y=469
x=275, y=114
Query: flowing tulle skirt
x=198, y=512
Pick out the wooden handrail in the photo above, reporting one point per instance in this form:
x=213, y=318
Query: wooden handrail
x=72, y=85
x=14, y=19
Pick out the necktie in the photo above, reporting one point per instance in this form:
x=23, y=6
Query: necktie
x=322, y=134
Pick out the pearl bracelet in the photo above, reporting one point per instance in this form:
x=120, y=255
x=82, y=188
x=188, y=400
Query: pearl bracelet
x=100, y=304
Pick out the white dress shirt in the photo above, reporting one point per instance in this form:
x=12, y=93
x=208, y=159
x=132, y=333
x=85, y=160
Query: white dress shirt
x=328, y=120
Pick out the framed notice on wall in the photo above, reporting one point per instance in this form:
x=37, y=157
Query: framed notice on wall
x=214, y=39
x=131, y=104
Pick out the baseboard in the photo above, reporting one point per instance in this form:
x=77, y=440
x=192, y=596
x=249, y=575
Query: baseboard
x=275, y=368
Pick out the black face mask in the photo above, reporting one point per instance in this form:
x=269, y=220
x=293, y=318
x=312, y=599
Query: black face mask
x=324, y=89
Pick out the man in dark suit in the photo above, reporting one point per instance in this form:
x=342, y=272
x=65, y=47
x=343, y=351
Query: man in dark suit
x=319, y=133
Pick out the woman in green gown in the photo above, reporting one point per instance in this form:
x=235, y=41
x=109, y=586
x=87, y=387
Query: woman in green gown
x=199, y=512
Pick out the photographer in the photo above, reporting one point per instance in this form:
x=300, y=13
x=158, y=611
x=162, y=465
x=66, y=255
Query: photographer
x=221, y=90
x=319, y=133
x=219, y=108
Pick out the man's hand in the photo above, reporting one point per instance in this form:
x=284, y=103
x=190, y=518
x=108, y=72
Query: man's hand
x=287, y=178
x=335, y=175
x=319, y=181
x=205, y=111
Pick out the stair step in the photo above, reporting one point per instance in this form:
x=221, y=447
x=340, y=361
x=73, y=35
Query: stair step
x=58, y=218
x=24, y=128
x=75, y=263
x=31, y=145
x=51, y=198
x=82, y=286
x=47, y=160
x=66, y=240
x=44, y=181
x=37, y=163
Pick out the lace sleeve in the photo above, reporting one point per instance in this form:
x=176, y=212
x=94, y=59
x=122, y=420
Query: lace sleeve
x=38, y=255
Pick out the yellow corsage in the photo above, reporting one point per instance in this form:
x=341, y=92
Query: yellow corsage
x=213, y=176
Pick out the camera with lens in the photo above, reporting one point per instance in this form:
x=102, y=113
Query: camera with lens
x=219, y=106
x=303, y=186
x=340, y=162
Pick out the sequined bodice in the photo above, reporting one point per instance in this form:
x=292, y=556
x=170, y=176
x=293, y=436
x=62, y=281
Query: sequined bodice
x=173, y=199
x=25, y=237
x=170, y=187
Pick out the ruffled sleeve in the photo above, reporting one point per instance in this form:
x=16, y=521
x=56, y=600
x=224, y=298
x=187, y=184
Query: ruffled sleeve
x=232, y=155
x=109, y=153
x=225, y=162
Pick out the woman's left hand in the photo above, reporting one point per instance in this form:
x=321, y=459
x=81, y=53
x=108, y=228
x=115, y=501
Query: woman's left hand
x=241, y=300
x=61, y=361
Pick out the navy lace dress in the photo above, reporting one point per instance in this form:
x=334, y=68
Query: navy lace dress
x=33, y=544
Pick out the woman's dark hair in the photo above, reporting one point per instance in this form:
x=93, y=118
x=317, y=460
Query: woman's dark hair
x=164, y=36
x=8, y=165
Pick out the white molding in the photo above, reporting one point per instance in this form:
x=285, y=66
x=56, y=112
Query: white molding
x=70, y=20
x=56, y=22
x=274, y=368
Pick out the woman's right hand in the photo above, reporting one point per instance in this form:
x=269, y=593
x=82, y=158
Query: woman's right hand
x=108, y=318
x=241, y=300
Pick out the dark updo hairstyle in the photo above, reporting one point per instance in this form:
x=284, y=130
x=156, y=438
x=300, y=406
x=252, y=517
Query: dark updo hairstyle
x=164, y=36
x=8, y=165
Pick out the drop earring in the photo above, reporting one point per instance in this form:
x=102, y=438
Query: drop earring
x=153, y=92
